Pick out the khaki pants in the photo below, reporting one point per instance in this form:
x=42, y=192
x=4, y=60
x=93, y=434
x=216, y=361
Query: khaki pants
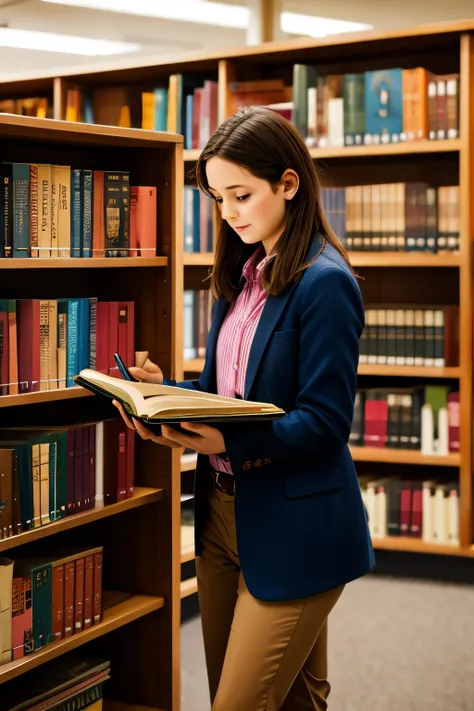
x=260, y=656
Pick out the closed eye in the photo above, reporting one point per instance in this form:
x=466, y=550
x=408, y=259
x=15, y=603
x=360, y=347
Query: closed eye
x=241, y=198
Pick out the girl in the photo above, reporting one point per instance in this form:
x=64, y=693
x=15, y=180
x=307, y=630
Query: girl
x=285, y=329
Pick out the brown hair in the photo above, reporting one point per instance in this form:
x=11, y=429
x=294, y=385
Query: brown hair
x=266, y=144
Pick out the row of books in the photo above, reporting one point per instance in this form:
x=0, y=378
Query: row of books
x=411, y=336
x=59, y=211
x=197, y=322
x=187, y=105
x=427, y=510
x=37, y=106
x=370, y=108
x=395, y=217
x=68, y=683
x=198, y=224
x=50, y=472
x=47, y=598
x=44, y=343
x=423, y=418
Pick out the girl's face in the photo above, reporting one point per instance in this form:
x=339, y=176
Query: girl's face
x=250, y=205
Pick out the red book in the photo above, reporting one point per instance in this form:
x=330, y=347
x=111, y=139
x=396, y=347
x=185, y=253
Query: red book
x=89, y=591
x=454, y=422
x=22, y=619
x=113, y=329
x=98, y=214
x=144, y=198
x=28, y=314
x=69, y=587
x=405, y=508
x=92, y=455
x=86, y=497
x=197, y=116
x=79, y=594
x=71, y=508
x=126, y=335
x=102, y=337
x=57, y=602
x=416, y=510
x=130, y=461
x=4, y=354
x=133, y=252
x=97, y=587
x=122, y=463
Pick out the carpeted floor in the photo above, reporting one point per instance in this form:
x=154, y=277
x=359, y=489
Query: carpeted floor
x=394, y=645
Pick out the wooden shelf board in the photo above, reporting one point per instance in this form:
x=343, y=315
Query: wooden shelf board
x=74, y=263
x=188, y=462
x=389, y=149
x=192, y=155
x=402, y=371
x=113, y=617
x=44, y=396
x=361, y=259
x=70, y=132
x=194, y=366
x=141, y=497
x=403, y=456
x=415, y=545
x=187, y=553
x=198, y=259
x=404, y=259
x=408, y=371
x=188, y=587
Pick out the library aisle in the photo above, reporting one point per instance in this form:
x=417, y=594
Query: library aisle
x=393, y=644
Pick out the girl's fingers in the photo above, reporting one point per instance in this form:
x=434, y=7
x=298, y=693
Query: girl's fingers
x=125, y=417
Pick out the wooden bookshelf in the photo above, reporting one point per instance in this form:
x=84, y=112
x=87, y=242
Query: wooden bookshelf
x=404, y=456
x=113, y=617
x=444, y=278
x=139, y=535
x=187, y=553
x=188, y=587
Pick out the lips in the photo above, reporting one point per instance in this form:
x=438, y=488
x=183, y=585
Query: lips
x=241, y=227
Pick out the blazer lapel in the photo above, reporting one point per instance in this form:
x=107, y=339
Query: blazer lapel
x=271, y=313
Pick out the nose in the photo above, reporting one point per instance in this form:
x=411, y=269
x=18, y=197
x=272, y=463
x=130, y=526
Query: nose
x=228, y=212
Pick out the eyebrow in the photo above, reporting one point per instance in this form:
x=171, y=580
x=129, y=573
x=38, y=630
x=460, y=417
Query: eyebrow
x=229, y=187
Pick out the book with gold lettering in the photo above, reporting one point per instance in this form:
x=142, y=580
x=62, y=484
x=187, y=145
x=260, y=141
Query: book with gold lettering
x=162, y=404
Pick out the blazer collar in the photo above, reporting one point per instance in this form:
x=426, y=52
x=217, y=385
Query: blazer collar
x=272, y=311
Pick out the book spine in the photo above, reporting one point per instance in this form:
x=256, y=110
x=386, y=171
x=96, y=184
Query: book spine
x=34, y=233
x=87, y=213
x=97, y=587
x=21, y=210
x=76, y=212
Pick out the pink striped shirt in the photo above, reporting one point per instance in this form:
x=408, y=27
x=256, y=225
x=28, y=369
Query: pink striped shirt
x=236, y=337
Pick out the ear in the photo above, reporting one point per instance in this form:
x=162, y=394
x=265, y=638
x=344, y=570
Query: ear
x=290, y=183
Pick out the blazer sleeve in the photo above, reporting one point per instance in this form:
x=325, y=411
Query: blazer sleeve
x=331, y=322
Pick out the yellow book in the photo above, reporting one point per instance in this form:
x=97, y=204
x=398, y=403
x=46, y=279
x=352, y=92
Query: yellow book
x=161, y=404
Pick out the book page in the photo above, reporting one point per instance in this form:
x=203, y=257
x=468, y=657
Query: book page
x=171, y=406
x=137, y=392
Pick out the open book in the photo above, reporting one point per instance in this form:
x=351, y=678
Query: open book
x=161, y=404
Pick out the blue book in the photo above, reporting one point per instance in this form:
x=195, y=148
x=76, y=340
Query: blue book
x=70, y=307
x=76, y=212
x=21, y=210
x=188, y=136
x=161, y=109
x=87, y=184
x=383, y=106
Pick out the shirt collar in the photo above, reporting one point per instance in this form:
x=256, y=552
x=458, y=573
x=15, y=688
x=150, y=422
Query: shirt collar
x=254, y=265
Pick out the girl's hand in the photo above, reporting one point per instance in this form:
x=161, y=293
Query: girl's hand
x=143, y=431
x=202, y=438
x=149, y=373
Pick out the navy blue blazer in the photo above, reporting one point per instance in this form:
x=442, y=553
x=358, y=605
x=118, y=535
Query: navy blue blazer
x=301, y=524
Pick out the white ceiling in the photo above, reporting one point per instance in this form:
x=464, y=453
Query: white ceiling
x=168, y=37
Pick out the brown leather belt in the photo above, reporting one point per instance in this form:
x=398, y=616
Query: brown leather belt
x=223, y=481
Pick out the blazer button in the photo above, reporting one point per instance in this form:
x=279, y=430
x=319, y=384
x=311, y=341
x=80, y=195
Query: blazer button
x=257, y=463
x=246, y=465
x=267, y=460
